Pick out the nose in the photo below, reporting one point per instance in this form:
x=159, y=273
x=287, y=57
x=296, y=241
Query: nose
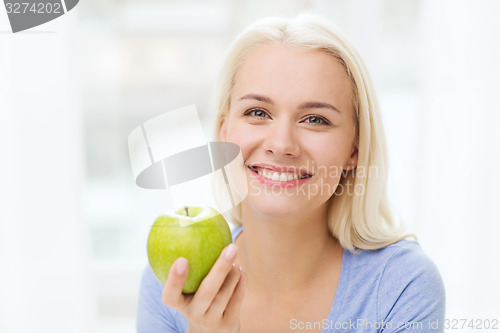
x=282, y=140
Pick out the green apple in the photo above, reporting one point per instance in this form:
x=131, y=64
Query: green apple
x=198, y=234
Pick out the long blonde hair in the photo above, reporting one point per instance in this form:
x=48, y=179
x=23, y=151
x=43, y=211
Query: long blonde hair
x=359, y=221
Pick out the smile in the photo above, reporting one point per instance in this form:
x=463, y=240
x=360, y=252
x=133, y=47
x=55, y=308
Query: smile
x=279, y=178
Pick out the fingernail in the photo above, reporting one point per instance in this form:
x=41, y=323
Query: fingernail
x=235, y=265
x=181, y=266
x=231, y=252
x=242, y=269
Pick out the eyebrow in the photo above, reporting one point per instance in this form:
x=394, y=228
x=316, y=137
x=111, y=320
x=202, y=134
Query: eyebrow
x=306, y=105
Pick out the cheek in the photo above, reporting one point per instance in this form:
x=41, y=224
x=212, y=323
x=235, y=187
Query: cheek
x=329, y=153
x=244, y=136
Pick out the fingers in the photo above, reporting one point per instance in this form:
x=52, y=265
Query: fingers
x=226, y=291
x=216, y=304
x=172, y=292
x=212, y=283
x=232, y=311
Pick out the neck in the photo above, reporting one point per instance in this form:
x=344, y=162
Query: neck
x=285, y=255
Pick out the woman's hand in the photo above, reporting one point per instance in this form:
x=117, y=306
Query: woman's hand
x=215, y=307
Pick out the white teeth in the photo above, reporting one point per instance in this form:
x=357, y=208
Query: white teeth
x=266, y=173
x=277, y=176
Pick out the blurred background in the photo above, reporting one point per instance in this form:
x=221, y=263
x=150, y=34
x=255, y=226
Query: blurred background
x=73, y=225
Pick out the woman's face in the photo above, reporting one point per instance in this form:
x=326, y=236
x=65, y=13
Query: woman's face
x=291, y=113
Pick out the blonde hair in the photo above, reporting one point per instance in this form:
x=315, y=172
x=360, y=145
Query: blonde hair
x=360, y=221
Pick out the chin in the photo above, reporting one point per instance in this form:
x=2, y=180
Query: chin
x=275, y=206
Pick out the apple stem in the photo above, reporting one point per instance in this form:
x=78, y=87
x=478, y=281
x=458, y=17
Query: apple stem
x=187, y=212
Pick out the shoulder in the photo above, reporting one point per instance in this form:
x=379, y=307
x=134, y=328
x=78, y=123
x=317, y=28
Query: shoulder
x=407, y=282
x=405, y=258
x=403, y=262
x=407, y=262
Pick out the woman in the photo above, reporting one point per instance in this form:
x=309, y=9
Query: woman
x=317, y=248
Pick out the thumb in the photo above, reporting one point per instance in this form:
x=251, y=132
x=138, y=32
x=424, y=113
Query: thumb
x=172, y=291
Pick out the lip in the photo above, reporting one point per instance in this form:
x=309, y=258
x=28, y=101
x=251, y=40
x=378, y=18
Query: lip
x=300, y=171
x=276, y=183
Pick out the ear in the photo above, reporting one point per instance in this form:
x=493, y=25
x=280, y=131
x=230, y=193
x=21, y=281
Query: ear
x=352, y=162
x=223, y=129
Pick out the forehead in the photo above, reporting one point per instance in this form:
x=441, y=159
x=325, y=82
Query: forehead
x=292, y=74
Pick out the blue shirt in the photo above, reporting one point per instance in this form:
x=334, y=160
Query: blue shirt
x=394, y=289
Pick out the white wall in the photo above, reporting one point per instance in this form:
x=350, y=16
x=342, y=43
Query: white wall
x=459, y=151
x=44, y=281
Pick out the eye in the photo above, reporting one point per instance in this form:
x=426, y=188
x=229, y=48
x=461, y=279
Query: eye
x=259, y=113
x=317, y=120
